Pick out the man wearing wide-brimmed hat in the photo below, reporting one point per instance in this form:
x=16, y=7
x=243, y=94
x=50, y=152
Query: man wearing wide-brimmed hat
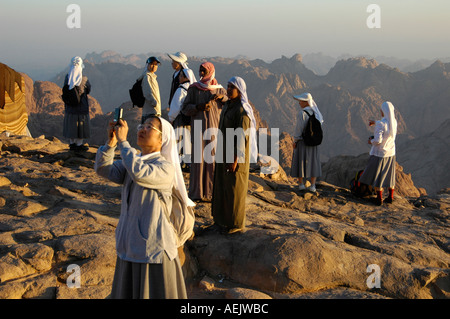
x=179, y=62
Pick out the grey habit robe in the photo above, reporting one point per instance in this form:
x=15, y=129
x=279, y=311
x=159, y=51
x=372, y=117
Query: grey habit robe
x=230, y=189
x=76, y=118
x=147, y=263
x=202, y=173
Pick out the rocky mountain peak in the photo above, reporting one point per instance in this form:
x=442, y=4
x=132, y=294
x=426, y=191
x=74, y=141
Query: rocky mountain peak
x=56, y=214
x=435, y=71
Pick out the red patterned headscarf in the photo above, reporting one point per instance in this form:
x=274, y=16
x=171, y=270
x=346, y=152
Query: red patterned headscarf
x=208, y=82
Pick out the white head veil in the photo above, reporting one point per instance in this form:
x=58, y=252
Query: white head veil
x=76, y=72
x=181, y=58
x=239, y=83
x=170, y=153
x=389, y=115
x=190, y=75
x=308, y=97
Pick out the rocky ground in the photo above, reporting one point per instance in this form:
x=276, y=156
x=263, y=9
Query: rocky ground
x=57, y=223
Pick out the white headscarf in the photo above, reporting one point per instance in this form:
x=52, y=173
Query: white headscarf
x=308, y=97
x=170, y=153
x=76, y=72
x=389, y=114
x=190, y=75
x=239, y=83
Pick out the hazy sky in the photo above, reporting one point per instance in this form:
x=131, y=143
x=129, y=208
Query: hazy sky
x=35, y=34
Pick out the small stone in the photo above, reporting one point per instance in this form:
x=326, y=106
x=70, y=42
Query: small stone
x=308, y=196
x=28, y=208
x=244, y=293
x=206, y=283
x=358, y=221
x=4, y=181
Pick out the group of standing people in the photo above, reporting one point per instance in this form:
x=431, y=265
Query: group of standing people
x=148, y=264
x=380, y=170
x=202, y=105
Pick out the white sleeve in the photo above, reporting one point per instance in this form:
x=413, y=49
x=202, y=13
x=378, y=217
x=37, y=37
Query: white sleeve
x=378, y=133
x=175, y=105
x=299, y=126
x=147, y=90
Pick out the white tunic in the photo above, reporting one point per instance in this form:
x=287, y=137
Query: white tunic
x=383, y=145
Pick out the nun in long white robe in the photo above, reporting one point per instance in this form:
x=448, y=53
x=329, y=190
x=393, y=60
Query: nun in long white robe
x=380, y=170
x=306, y=159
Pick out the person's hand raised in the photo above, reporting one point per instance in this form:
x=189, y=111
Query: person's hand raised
x=121, y=130
x=112, y=138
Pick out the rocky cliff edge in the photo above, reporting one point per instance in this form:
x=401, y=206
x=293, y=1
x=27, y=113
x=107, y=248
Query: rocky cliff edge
x=57, y=223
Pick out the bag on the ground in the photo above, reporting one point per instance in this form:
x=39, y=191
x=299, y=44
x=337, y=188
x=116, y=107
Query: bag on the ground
x=136, y=94
x=359, y=189
x=71, y=97
x=312, y=134
x=182, y=218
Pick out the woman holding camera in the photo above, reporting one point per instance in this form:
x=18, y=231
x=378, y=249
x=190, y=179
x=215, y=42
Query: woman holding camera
x=380, y=170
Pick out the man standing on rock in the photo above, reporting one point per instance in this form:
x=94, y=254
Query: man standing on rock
x=231, y=174
x=150, y=89
x=147, y=265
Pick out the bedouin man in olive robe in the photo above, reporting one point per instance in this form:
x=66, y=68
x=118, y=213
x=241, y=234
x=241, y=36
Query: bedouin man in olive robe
x=232, y=170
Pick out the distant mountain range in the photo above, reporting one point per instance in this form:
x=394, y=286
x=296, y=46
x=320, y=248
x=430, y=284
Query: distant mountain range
x=318, y=62
x=348, y=95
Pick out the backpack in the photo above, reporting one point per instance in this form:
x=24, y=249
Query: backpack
x=312, y=134
x=182, y=217
x=71, y=97
x=359, y=189
x=136, y=95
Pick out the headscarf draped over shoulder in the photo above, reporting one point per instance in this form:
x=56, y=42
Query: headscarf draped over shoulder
x=190, y=75
x=170, y=153
x=308, y=97
x=239, y=83
x=389, y=114
x=75, y=75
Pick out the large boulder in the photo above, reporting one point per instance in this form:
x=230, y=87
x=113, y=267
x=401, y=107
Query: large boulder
x=58, y=218
x=340, y=170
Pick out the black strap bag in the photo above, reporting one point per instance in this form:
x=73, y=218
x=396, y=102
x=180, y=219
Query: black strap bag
x=312, y=134
x=136, y=94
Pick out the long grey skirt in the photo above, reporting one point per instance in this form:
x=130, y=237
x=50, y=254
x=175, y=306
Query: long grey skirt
x=306, y=161
x=148, y=281
x=379, y=172
x=76, y=126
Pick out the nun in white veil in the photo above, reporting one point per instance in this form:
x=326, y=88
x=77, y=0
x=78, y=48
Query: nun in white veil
x=76, y=118
x=306, y=159
x=380, y=170
x=182, y=123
